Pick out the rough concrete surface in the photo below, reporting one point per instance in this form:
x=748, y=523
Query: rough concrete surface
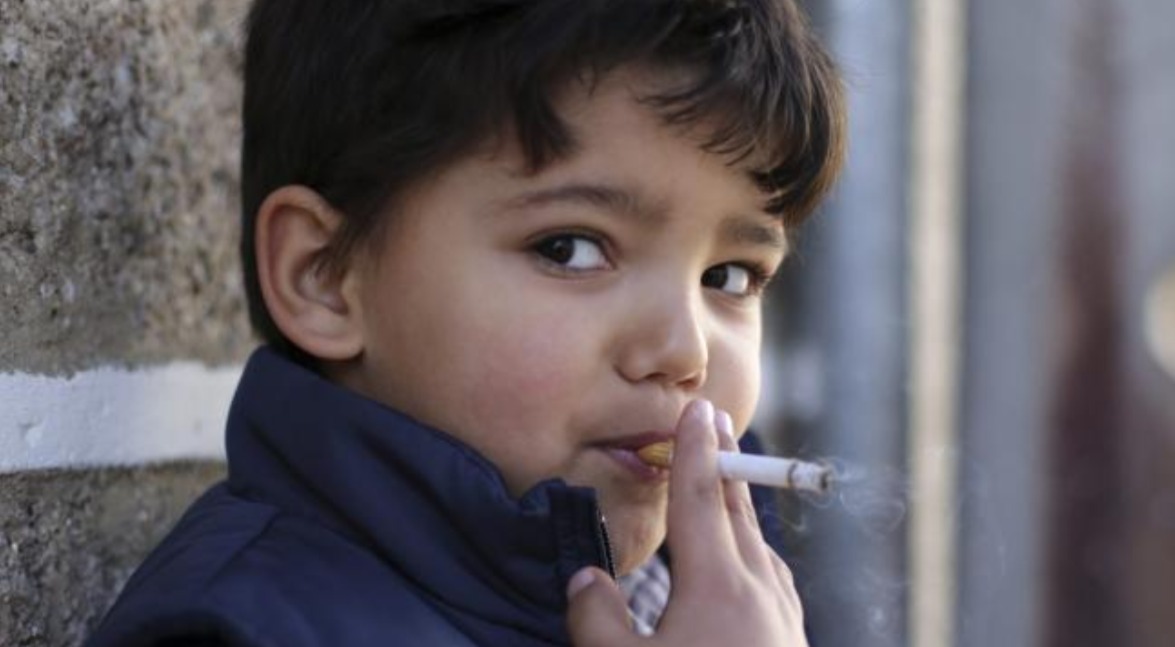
x=69, y=539
x=119, y=132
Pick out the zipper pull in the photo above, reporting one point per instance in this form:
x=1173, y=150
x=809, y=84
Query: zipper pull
x=606, y=546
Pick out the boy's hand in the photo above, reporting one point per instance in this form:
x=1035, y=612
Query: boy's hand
x=729, y=587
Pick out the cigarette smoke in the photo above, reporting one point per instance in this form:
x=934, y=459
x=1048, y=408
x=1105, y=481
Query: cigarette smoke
x=873, y=500
x=848, y=551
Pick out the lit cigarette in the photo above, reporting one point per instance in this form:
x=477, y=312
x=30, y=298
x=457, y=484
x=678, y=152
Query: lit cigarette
x=786, y=473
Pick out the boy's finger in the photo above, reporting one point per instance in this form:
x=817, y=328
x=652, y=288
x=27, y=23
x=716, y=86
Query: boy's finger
x=699, y=532
x=783, y=572
x=596, y=613
x=791, y=604
x=737, y=495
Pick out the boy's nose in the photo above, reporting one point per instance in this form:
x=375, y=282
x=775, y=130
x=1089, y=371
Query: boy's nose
x=665, y=342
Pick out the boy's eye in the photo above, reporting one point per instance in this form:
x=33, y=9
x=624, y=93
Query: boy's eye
x=733, y=279
x=572, y=252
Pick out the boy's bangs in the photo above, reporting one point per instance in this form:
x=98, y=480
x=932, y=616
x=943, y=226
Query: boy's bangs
x=756, y=81
x=771, y=101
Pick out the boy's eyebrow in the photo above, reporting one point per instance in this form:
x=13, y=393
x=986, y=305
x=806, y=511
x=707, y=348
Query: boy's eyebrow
x=741, y=230
x=736, y=229
x=604, y=196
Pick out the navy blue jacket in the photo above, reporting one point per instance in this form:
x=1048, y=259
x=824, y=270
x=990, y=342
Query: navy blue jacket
x=345, y=523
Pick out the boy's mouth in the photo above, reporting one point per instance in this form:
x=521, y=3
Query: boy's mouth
x=624, y=450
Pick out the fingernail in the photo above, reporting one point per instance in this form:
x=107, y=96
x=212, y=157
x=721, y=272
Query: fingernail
x=704, y=411
x=724, y=423
x=579, y=582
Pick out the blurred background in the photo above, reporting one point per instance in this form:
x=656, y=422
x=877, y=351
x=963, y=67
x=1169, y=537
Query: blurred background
x=978, y=330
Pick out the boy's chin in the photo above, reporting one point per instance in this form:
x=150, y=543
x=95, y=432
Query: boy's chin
x=634, y=537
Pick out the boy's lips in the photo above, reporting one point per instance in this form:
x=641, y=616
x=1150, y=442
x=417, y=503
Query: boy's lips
x=636, y=441
x=623, y=450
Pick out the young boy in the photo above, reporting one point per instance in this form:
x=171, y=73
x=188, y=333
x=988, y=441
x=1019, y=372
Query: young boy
x=496, y=247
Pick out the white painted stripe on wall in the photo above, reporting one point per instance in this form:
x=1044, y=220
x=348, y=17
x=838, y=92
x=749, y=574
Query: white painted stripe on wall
x=114, y=416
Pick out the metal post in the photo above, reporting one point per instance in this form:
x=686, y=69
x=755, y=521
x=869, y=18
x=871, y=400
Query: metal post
x=938, y=62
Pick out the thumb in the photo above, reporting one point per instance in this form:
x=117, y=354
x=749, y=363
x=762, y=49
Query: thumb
x=596, y=613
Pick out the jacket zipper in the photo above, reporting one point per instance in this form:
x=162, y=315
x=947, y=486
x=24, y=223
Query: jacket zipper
x=606, y=547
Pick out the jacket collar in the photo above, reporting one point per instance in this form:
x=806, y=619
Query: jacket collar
x=427, y=504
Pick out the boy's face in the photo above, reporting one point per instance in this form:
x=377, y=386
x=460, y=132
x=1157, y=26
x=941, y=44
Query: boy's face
x=557, y=321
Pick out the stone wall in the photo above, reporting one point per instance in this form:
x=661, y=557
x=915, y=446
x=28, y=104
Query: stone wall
x=72, y=537
x=119, y=134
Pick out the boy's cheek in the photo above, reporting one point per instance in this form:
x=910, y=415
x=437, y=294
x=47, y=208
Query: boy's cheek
x=540, y=351
x=734, y=379
x=527, y=378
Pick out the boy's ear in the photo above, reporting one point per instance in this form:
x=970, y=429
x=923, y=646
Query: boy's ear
x=314, y=308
